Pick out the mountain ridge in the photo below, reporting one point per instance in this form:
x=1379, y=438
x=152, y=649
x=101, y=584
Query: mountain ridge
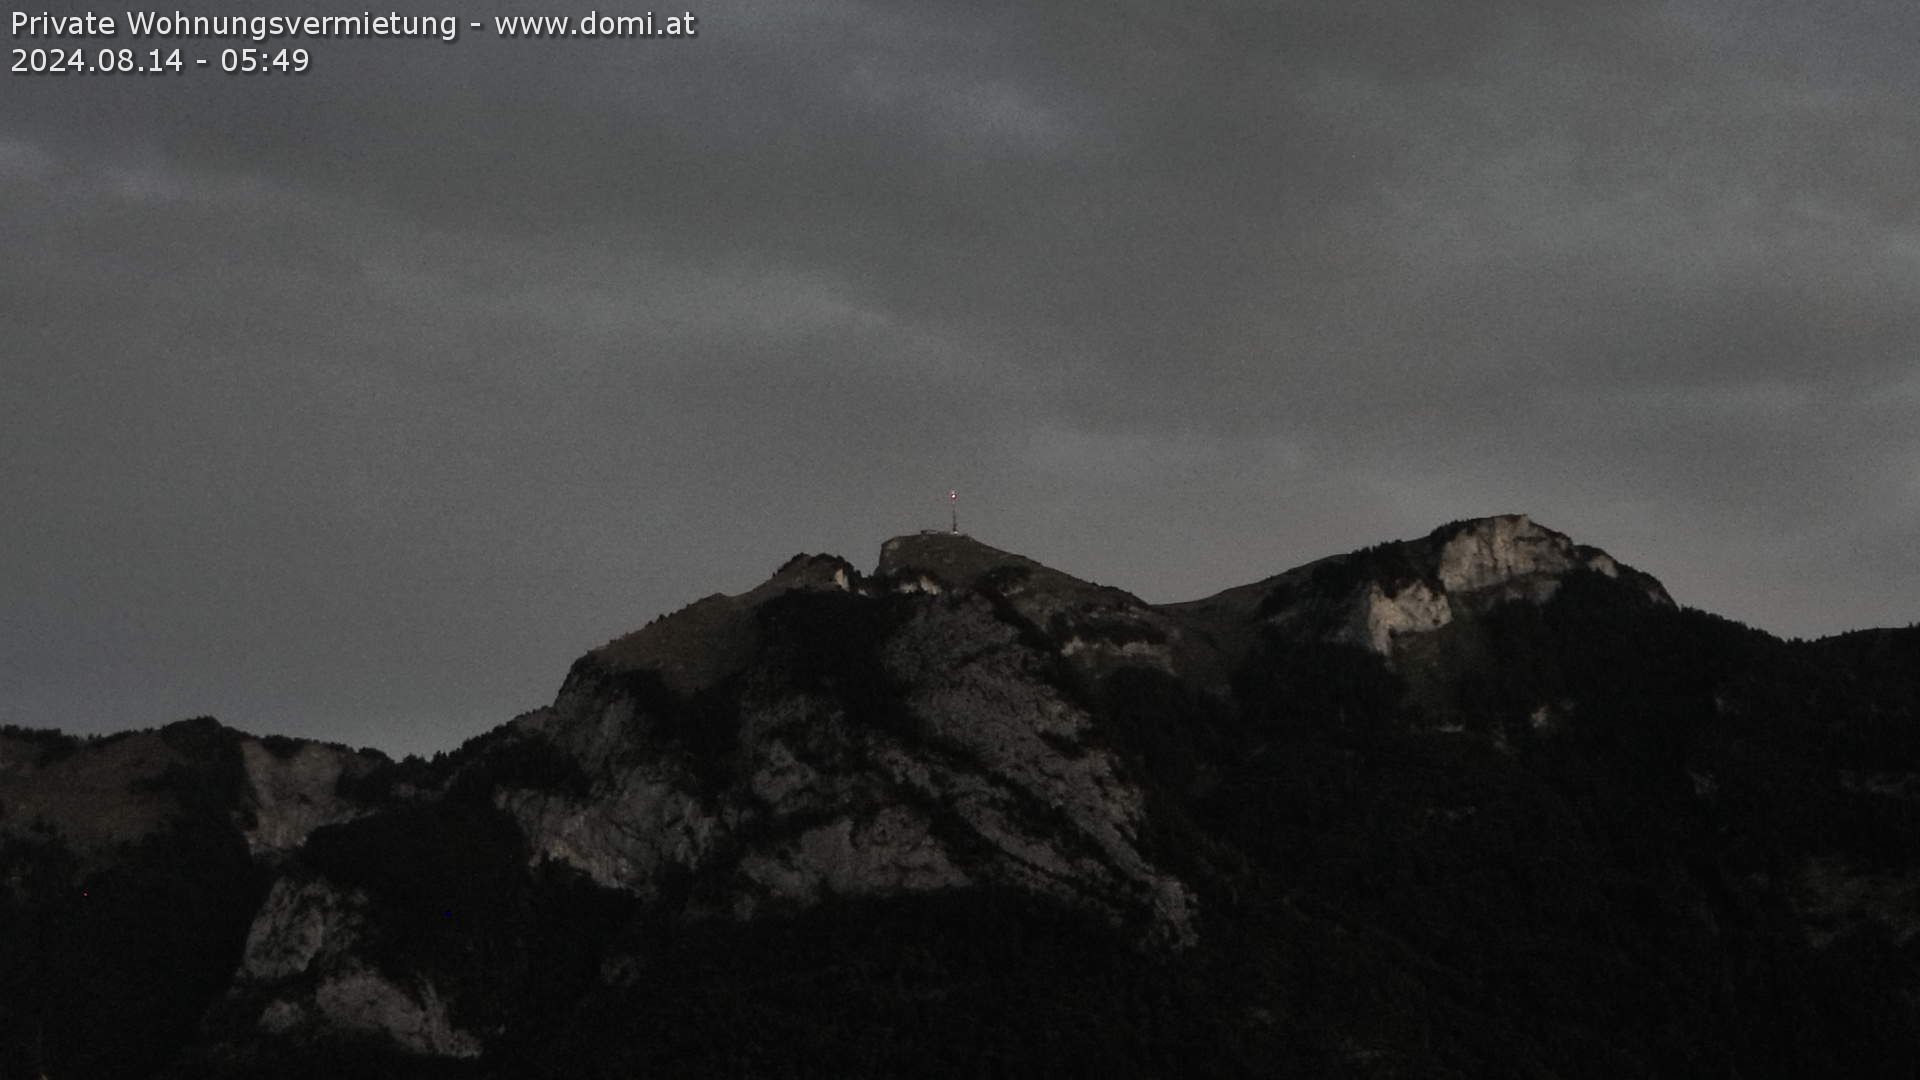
x=1280, y=827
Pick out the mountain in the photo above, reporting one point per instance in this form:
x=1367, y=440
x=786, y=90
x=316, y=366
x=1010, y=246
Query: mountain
x=1486, y=802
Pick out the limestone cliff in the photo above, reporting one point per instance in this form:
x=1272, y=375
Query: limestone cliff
x=1382, y=596
x=883, y=736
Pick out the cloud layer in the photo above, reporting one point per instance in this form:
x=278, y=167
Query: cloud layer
x=356, y=404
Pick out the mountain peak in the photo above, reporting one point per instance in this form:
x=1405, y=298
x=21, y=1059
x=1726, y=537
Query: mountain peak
x=1379, y=595
x=1500, y=551
x=949, y=560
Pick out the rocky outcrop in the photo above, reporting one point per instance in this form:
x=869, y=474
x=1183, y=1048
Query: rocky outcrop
x=930, y=756
x=304, y=922
x=1021, y=765
x=1380, y=617
x=1382, y=596
x=297, y=789
x=362, y=1001
x=1097, y=628
x=306, y=976
x=1511, y=554
x=623, y=833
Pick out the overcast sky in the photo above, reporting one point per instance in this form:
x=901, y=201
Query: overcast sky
x=357, y=404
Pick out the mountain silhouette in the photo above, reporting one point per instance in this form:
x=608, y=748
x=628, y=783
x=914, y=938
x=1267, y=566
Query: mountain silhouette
x=1483, y=803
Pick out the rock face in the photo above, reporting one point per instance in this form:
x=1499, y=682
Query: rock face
x=1380, y=596
x=926, y=755
x=1514, y=555
x=971, y=814
x=298, y=790
x=1096, y=628
x=302, y=922
x=305, y=960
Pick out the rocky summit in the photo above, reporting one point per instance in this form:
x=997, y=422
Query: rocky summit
x=1482, y=803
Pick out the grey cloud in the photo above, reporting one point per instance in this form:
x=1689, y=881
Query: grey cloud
x=360, y=403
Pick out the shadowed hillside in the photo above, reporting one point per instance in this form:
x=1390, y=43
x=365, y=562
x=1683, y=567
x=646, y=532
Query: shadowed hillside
x=1483, y=803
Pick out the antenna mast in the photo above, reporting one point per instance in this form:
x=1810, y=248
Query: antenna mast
x=953, y=508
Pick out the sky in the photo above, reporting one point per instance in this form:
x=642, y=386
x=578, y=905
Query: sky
x=356, y=404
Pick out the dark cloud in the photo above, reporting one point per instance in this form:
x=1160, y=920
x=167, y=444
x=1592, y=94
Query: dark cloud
x=356, y=404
